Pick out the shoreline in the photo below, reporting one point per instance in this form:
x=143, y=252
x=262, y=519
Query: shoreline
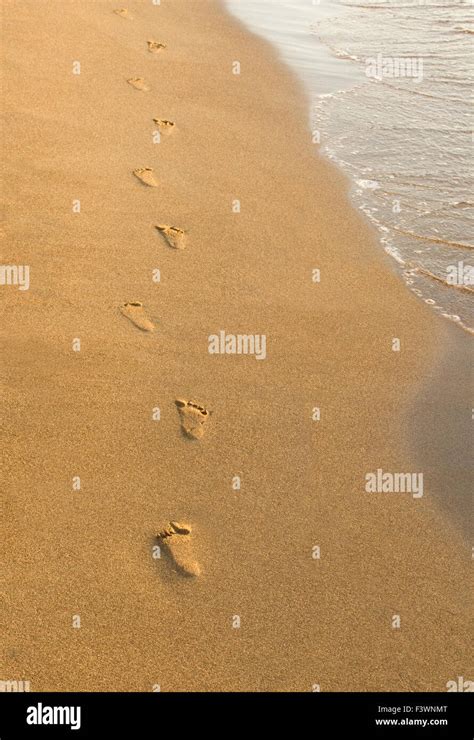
x=90, y=413
x=445, y=449
x=327, y=81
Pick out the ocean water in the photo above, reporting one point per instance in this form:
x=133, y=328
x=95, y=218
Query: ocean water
x=390, y=90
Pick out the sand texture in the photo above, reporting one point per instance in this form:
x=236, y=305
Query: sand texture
x=134, y=457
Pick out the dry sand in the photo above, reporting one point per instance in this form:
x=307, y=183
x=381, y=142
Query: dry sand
x=89, y=413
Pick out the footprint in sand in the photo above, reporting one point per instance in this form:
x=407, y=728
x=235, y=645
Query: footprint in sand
x=174, y=236
x=165, y=126
x=193, y=418
x=176, y=541
x=154, y=46
x=123, y=13
x=136, y=313
x=146, y=176
x=139, y=84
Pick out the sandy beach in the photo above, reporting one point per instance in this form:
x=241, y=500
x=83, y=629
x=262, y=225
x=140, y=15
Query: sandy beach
x=256, y=480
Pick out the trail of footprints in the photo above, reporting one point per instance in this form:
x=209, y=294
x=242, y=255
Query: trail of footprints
x=175, y=539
